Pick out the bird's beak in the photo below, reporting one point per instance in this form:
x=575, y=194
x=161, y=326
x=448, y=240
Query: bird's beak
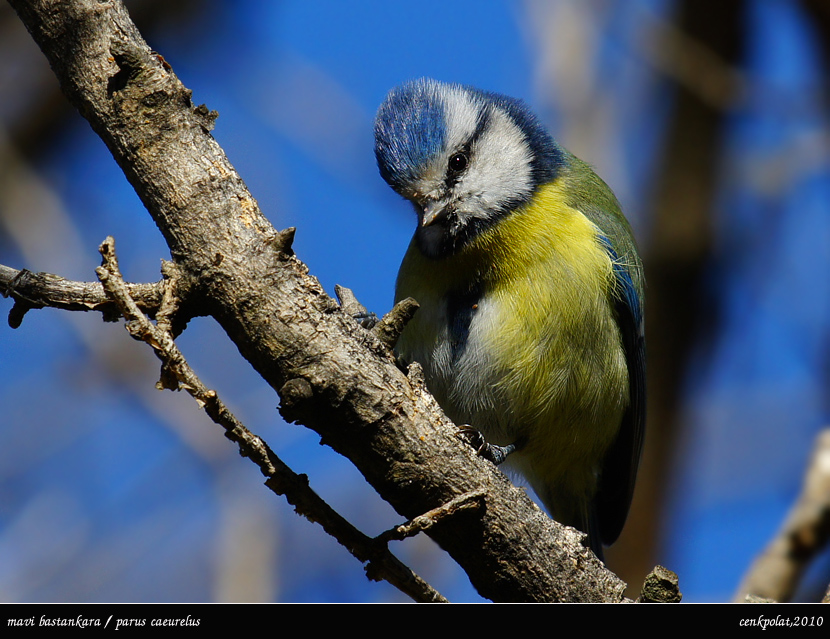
x=433, y=211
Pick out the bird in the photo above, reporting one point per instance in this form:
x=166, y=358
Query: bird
x=531, y=294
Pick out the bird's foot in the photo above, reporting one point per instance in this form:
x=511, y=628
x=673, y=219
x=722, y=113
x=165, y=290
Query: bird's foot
x=366, y=319
x=490, y=452
x=350, y=306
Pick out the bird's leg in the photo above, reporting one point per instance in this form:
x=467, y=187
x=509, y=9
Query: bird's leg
x=350, y=306
x=366, y=319
x=490, y=452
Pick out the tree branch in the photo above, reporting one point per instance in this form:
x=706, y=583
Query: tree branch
x=38, y=290
x=281, y=479
x=776, y=572
x=332, y=375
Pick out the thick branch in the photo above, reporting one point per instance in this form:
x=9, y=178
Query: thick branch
x=332, y=375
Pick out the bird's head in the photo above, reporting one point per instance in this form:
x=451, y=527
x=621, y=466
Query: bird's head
x=462, y=156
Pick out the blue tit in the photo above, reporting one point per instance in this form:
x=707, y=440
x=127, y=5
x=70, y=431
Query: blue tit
x=530, y=327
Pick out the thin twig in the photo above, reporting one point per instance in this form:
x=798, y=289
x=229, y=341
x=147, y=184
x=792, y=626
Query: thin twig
x=281, y=479
x=472, y=500
x=38, y=290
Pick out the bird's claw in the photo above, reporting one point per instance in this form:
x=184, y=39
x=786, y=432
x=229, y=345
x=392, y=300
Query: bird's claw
x=350, y=306
x=490, y=452
x=366, y=319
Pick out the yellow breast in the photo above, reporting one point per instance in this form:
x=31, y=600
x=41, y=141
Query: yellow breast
x=542, y=357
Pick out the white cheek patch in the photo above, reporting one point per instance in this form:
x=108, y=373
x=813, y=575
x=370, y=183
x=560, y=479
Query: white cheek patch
x=500, y=171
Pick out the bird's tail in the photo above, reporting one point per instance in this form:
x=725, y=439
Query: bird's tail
x=592, y=530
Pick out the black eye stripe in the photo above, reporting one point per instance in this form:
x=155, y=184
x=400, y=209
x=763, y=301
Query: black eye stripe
x=460, y=159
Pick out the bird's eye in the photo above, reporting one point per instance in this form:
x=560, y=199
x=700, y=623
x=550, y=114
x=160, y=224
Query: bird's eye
x=458, y=162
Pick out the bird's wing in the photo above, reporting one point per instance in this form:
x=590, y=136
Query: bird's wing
x=592, y=196
x=619, y=471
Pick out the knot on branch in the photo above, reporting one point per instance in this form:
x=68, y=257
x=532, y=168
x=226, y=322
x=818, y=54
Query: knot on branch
x=661, y=586
x=21, y=304
x=167, y=317
x=389, y=329
x=206, y=117
x=144, y=89
x=294, y=394
x=283, y=241
x=129, y=66
x=415, y=374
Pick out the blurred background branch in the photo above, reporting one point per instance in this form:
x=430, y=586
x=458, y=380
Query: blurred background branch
x=778, y=570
